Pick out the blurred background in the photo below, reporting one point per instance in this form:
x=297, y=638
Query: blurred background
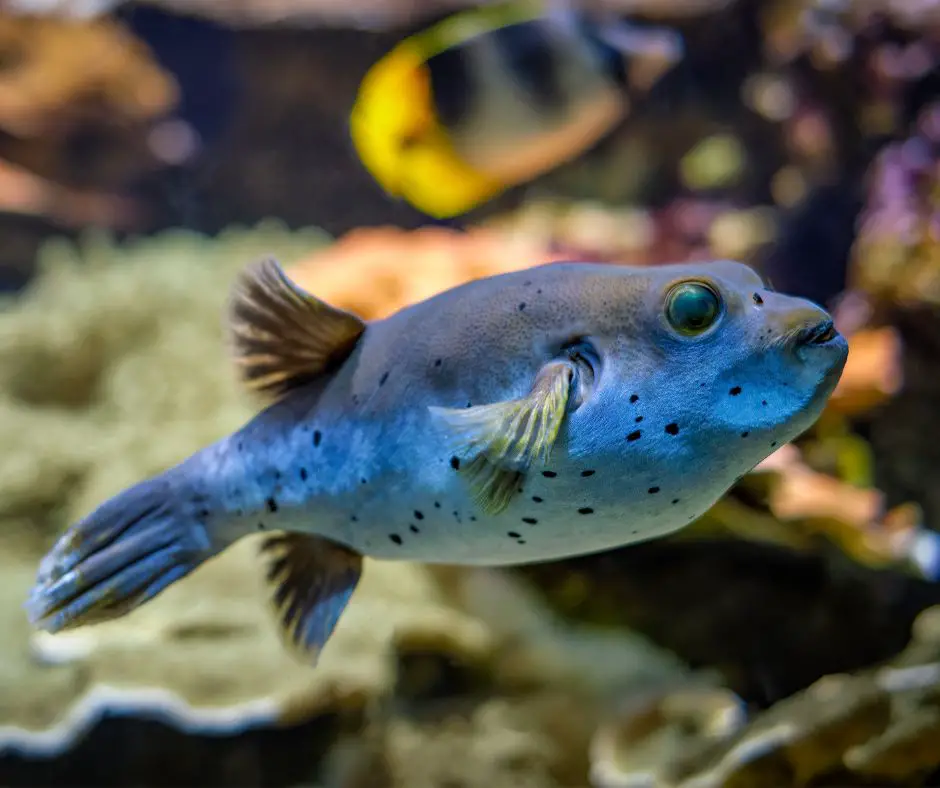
x=148, y=151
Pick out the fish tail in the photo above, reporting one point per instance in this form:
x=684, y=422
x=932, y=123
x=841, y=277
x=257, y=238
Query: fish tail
x=121, y=555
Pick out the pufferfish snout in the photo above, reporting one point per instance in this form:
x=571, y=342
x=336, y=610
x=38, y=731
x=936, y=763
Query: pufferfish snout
x=813, y=335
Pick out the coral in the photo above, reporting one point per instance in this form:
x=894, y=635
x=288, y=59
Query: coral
x=897, y=255
x=53, y=96
x=86, y=405
x=881, y=727
x=48, y=78
x=403, y=267
x=896, y=270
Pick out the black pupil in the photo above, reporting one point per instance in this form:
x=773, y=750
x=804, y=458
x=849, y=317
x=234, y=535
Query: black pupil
x=693, y=308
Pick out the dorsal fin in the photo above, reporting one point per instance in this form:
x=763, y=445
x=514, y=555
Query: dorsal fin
x=281, y=336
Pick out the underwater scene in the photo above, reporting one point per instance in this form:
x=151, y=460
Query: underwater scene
x=453, y=394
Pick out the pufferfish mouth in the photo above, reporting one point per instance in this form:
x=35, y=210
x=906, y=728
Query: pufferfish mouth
x=822, y=333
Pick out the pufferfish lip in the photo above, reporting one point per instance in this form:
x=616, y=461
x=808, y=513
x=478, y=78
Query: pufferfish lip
x=821, y=333
x=820, y=342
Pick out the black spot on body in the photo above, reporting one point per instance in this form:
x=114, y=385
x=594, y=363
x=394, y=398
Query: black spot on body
x=529, y=520
x=437, y=504
x=513, y=534
x=317, y=437
x=763, y=402
x=585, y=510
x=455, y=463
x=260, y=526
x=585, y=474
x=395, y=538
x=414, y=529
x=672, y=429
x=675, y=501
x=634, y=398
x=757, y=299
x=520, y=541
x=303, y=474
x=653, y=490
x=773, y=443
x=419, y=515
x=438, y=362
x=734, y=391
x=272, y=505
x=203, y=513
x=362, y=480
x=549, y=474
x=383, y=379
x=745, y=434
x=353, y=518
x=522, y=307
x=473, y=518
x=638, y=419
x=634, y=436
x=537, y=499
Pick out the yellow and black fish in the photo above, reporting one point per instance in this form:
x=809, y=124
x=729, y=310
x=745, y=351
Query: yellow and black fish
x=495, y=96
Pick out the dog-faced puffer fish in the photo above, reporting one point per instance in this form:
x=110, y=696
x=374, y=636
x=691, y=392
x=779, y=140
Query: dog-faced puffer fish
x=550, y=412
x=495, y=96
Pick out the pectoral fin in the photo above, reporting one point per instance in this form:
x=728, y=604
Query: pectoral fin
x=281, y=336
x=313, y=580
x=505, y=439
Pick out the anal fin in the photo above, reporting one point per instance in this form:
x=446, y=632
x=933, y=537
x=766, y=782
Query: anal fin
x=312, y=580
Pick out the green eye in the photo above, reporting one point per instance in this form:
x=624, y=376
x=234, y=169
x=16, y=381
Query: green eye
x=692, y=308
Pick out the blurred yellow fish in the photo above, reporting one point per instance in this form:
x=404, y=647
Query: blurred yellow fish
x=493, y=97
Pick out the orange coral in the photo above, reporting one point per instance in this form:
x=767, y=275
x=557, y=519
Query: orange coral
x=50, y=67
x=375, y=271
x=872, y=373
x=855, y=518
x=25, y=193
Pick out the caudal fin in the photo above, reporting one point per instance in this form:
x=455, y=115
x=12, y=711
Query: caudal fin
x=121, y=555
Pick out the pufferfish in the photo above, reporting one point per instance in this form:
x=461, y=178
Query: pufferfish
x=559, y=410
x=495, y=96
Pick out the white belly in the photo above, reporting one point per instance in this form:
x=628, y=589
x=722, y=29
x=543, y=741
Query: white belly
x=555, y=516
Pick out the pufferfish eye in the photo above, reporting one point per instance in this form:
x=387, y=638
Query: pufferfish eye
x=692, y=307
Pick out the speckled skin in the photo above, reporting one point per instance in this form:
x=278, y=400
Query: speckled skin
x=671, y=423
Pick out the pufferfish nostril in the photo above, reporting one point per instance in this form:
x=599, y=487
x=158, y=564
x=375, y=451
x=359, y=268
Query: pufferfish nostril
x=819, y=334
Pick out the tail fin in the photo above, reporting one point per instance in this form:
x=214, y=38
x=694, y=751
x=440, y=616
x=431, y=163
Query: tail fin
x=121, y=555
